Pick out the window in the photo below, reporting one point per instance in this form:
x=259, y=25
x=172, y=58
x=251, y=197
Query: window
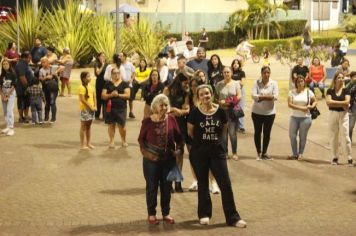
x=292, y=4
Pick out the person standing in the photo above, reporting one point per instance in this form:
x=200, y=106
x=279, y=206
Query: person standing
x=352, y=110
x=116, y=93
x=8, y=95
x=129, y=77
x=337, y=56
x=190, y=52
x=65, y=70
x=47, y=76
x=25, y=77
x=200, y=62
x=306, y=43
x=11, y=54
x=344, y=44
x=215, y=70
x=99, y=71
x=300, y=100
x=264, y=95
x=51, y=55
x=338, y=101
x=207, y=126
x=178, y=94
x=228, y=94
x=36, y=98
x=203, y=39
x=239, y=75
x=160, y=141
x=150, y=90
x=87, y=105
x=37, y=52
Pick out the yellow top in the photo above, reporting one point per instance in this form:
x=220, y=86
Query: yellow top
x=142, y=76
x=90, y=100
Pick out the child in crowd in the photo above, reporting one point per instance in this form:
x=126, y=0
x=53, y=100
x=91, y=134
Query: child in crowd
x=87, y=104
x=36, y=98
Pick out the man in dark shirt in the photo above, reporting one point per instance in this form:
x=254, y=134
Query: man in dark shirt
x=203, y=39
x=38, y=51
x=200, y=62
x=24, y=77
x=300, y=69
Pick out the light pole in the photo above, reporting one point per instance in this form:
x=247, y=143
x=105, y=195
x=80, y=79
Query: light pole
x=35, y=6
x=117, y=27
x=183, y=18
x=18, y=27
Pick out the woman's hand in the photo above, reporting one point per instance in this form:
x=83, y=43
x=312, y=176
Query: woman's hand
x=115, y=93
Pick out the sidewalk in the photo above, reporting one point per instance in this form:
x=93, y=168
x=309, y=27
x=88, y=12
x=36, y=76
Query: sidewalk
x=49, y=187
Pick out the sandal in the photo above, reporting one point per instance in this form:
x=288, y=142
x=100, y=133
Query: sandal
x=235, y=157
x=168, y=219
x=152, y=220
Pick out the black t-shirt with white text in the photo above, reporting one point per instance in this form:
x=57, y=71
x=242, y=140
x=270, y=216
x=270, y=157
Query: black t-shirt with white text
x=333, y=95
x=208, y=130
x=300, y=70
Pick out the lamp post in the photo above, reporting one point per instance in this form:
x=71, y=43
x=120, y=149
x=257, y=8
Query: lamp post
x=183, y=18
x=117, y=27
x=18, y=27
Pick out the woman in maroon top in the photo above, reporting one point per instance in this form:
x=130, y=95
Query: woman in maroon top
x=160, y=142
x=11, y=54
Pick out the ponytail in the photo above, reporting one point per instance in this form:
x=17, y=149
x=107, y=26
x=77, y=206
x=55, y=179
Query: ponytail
x=83, y=75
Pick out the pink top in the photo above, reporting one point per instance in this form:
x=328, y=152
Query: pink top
x=317, y=72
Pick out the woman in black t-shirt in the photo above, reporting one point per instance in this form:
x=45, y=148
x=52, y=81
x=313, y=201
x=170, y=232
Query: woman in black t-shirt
x=150, y=90
x=99, y=71
x=215, y=70
x=8, y=95
x=116, y=93
x=207, y=126
x=338, y=100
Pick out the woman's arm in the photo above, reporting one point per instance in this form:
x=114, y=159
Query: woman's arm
x=126, y=94
x=296, y=107
x=333, y=103
x=85, y=102
x=190, y=129
x=324, y=75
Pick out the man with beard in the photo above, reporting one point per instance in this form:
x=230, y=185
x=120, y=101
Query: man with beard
x=200, y=62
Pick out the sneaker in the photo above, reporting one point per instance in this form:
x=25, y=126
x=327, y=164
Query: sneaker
x=259, y=157
x=52, y=122
x=204, y=221
x=241, y=224
x=266, y=157
x=241, y=130
x=214, y=188
x=349, y=163
x=292, y=157
x=193, y=187
x=131, y=115
x=334, y=161
x=4, y=131
x=11, y=132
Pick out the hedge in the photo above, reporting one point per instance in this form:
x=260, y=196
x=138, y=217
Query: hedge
x=294, y=43
x=227, y=39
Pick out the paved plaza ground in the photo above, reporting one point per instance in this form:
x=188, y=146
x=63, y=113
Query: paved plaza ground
x=49, y=187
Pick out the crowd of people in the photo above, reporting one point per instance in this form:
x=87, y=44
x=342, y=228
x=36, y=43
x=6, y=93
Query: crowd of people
x=190, y=101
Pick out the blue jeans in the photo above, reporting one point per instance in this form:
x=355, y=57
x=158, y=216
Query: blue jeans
x=51, y=105
x=155, y=173
x=232, y=127
x=8, y=108
x=299, y=125
x=242, y=103
x=352, y=121
x=36, y=109
x=319, y=85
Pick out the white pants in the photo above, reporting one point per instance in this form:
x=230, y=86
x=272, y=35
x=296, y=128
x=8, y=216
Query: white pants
x=339, y=133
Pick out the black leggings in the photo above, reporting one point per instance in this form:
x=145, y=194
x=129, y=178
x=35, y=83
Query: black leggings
x=265, y=123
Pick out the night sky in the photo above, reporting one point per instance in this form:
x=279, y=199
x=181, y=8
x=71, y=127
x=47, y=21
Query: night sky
x=12, y=3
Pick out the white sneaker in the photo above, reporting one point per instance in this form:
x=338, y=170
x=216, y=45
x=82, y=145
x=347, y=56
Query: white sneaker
x=193, y=187
x=215, y=188
x=124, y=145
x=241, y=224
x=4, y=131
x=204, y=221
x=259, y=158
x=10, y=132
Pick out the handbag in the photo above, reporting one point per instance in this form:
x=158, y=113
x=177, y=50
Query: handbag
x=175, y=175
x=235, y=112
x=52, y=84
x=314, y=112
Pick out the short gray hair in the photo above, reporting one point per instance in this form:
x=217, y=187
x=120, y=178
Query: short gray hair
x=159, y=99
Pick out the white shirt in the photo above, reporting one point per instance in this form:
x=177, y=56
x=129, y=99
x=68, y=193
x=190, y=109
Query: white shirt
x=107, y=74
x=163, y=74
x=300, y=99
x=264, y=107
x=190, y=54
x=172, y=63
x=344, y=44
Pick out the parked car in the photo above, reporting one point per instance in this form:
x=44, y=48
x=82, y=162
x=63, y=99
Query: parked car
x=6, y=13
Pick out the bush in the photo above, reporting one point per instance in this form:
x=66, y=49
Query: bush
x=349, y=23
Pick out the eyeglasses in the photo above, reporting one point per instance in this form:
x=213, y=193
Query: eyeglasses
x=115, y=72
x=226, y=72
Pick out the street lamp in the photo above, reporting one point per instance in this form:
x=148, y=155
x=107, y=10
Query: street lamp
x=117, y=27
